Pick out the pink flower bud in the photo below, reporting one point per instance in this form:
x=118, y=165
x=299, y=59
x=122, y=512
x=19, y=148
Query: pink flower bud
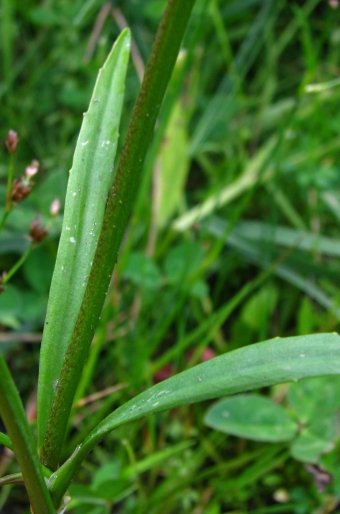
x=207, y=354
x=12, y=141
x=166, y=372
x=32, y=169
x=55, y=207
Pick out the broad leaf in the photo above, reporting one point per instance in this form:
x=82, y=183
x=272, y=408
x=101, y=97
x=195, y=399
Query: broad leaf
x=316, y=404
x=252, y=416
x=259, y=365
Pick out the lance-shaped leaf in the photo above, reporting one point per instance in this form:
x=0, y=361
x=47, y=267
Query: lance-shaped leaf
x=259, y=365
x=90, y=179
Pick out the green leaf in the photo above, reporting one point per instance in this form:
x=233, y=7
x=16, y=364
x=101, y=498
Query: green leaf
x=315, y=398
x=259, y=307
x=143, y=271
x=21, y=437
x=38, y=269
x=182, y=261
x=120, y=199
x=11, y=304
x=316, y=403
x=173, y=166
x=90, y=179
x=252, y=416
x=259, y=365
x=309, y=446
x=5, y=441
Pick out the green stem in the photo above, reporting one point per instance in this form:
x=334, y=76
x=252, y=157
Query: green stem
x=8, y=205
x=9, y=183
x=14, y=417
x=122, y=195
x=18, y=264
x=3, y=219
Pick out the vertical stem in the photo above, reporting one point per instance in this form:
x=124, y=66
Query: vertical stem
x=9, y=182
x=8, y=205
x=14, y=417
x=18, y=264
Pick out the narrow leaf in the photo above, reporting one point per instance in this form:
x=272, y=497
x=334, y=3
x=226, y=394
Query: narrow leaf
x=259, y=365
x=90, y=179
x=173, y=166
x=5, y=441
x=14, y=417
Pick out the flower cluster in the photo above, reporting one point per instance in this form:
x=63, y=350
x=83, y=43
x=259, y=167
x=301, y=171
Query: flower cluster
x=21, y=187
x=17, y=190
x=37, y=233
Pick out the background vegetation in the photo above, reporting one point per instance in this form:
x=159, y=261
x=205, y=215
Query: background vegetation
x=234, y=238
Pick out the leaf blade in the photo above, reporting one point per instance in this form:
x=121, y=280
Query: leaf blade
x=259, y=365
x=91, y=177
x=251, y=416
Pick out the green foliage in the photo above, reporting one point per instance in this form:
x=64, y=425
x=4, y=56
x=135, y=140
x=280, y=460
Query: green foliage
x=310, y=421
x=253, y=417
x=233, y=239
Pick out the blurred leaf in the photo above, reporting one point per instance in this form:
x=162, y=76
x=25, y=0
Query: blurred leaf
x=38, y=269
x=154, y=9
x=34, y=306
x=314, y=398
x=182, y=261
x=309, y=447
x=13, y=243
x=252, y=416
x=260, y=306
x=109, y=471
x=199, y=289
x=173, y=166
x=44, y=16
x=316, y=404
x=53, y=186
x=306, y=318
x=143, y=271
x=10, y=302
